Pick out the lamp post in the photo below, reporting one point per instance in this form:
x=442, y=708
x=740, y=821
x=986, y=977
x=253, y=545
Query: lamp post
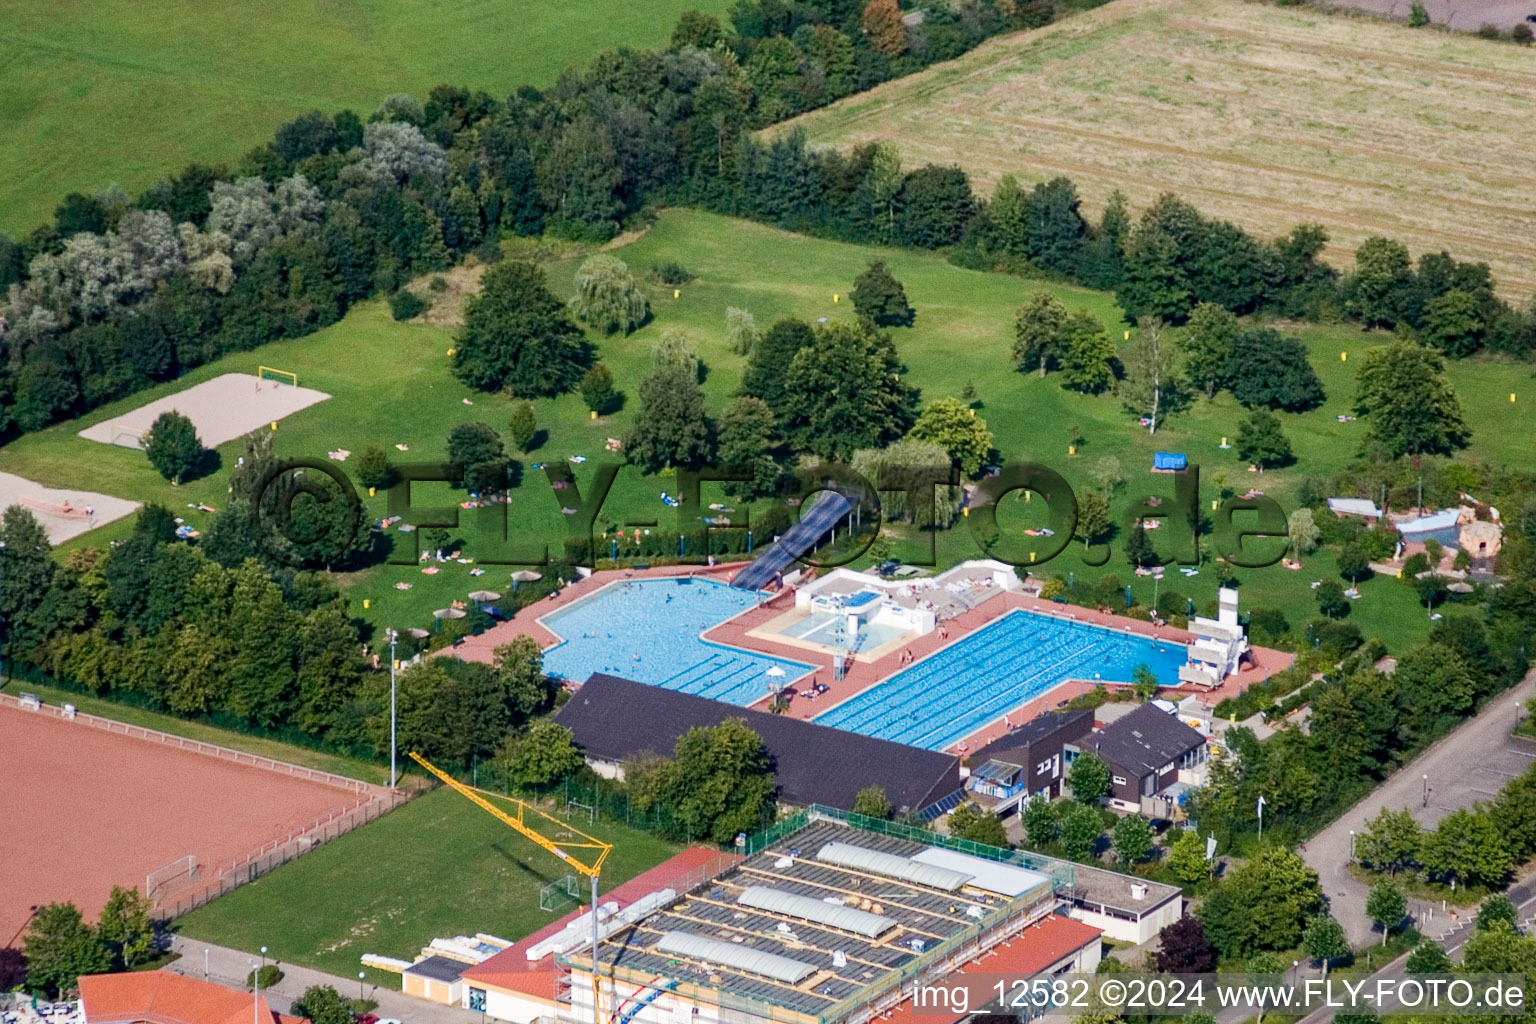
x=1426, y=789
x=359, y=986
x=393, y=638
x=1351, y=846
x=255, y=993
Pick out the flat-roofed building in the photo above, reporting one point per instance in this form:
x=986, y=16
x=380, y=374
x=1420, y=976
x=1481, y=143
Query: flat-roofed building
x=825, y=922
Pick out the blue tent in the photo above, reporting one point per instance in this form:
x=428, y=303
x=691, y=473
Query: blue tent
x=1169, y=460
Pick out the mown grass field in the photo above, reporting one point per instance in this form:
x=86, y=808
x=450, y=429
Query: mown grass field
x=438, y=866
x=113, y=91
x=1266, y=116
x=391, y=384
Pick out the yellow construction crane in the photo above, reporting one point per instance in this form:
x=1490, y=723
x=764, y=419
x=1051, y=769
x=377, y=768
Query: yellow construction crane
x=518, y=824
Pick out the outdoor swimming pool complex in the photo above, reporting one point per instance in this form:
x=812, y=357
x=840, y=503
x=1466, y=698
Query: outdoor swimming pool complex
x=946, y=697
x=648, y=631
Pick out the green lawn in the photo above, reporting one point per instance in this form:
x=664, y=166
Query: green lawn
x=438, y=866
x=367, y=771
x=113, y=91
x=391, y=384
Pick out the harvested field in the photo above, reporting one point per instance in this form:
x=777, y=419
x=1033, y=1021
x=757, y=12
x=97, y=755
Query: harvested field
x=1265, y=116
x=90, y=804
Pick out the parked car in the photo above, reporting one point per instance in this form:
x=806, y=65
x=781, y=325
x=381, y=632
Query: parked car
x=366, y=1018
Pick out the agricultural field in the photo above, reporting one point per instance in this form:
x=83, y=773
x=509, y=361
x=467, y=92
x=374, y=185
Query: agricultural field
x=438, y=865
x=121, y=92
x=1263, y=115
x=962, y=335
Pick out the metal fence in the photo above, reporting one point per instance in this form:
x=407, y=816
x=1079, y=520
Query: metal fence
x=195, y=746
x=370, y=802
x=252, y=865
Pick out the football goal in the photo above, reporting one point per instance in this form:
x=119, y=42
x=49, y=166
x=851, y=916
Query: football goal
x=559, y=893
x=175, y=875
x=126, y=437
x=268, y=375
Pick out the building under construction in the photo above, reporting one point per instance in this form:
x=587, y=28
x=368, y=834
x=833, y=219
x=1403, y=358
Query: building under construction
x=820, y=922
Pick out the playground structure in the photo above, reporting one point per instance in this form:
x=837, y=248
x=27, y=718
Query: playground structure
x=55, y=508
x=518, y=823
x=62, y=513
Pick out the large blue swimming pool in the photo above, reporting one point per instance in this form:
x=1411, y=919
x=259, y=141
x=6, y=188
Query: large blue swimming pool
x=648, y=631
x=959, y=689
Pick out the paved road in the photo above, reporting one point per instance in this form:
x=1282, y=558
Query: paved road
x=231, y=967
x=1469, y=765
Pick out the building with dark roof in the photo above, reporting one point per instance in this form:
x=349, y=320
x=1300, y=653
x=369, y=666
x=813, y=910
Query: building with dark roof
x=616, y=720
x=1028, y=761
x=436, y=978
x=1148, y=752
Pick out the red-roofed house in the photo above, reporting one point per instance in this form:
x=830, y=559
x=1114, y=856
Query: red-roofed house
x=160, y=997
x=511, y=987
x=1052, y=945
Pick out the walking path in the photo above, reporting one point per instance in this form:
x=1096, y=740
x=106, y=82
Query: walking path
x=231, y=967
x=1469, y=765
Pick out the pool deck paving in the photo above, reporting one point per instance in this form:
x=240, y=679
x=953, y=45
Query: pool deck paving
x=861, y=675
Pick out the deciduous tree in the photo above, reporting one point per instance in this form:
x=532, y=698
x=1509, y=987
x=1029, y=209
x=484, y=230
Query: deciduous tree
x=517, y=337
x=1040, y=332
x=845, y=392
x=955, y=427
x=1088, y=778
x=872, y=803
x=1208, y=342
x=1409, y=407
x=607, y=297
x=172, y=446
x=59, y=947
x=1389, y=842
x=1386, y=905
x=1132, y=839
x=1151, y=386
x=1184, y=949
x=671, y=428
x=971, y=822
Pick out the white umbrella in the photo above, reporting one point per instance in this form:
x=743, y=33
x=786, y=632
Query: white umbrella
x=484, y=595
x=526, y=576
x=449, y=613
x=419, y=633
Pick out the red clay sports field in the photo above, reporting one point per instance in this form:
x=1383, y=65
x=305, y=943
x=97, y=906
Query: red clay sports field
x=90, y=804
